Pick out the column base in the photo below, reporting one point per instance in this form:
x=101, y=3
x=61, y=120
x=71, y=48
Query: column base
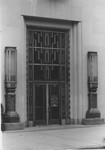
x=11, y=117
x=13, y=126
x=93, y=113
x=93, y=121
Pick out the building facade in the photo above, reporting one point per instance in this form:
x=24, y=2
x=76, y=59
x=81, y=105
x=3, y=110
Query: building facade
x=52, y=69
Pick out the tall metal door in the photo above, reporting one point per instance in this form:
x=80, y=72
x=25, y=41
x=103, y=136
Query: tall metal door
x=46, y=75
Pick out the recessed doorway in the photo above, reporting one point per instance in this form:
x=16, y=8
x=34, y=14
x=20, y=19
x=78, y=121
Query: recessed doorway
x=47, y=70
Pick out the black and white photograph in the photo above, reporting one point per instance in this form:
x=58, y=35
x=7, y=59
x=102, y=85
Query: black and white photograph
x=52, y=74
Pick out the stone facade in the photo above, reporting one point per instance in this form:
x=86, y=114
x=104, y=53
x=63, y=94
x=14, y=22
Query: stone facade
x=85, y=21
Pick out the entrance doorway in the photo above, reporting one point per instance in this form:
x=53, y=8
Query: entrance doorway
x=47, y=51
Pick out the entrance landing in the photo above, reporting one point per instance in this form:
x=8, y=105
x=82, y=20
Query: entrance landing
x=53, y=127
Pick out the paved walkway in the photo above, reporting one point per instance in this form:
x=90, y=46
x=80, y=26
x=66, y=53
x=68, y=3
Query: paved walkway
x=54, y=138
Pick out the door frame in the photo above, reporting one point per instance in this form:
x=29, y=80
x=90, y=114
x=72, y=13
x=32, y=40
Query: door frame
x=76, y=82
x=62, y=65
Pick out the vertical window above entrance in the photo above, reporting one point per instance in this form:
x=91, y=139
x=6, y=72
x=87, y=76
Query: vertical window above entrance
x=47, y=72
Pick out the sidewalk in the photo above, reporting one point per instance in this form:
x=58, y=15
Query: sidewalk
x=54, y=138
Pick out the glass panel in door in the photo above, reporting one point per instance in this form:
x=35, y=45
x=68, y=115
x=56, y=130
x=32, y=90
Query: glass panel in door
x=54, y=104
x=40, y=104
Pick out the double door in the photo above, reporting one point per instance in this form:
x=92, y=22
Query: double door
x=46, y=104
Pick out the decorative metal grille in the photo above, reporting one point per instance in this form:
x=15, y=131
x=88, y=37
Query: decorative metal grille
x=46, y=63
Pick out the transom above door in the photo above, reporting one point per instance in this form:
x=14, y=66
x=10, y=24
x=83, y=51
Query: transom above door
x=46, y=55
x=47, y=52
